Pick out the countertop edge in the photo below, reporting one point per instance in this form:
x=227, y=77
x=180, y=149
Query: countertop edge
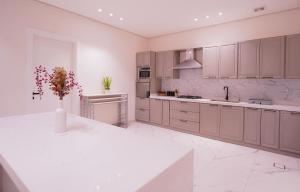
x=239, y=104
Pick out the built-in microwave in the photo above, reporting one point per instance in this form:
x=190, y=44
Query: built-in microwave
x=143, y=74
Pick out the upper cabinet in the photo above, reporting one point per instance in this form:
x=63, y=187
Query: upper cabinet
x=272, y=52
x=143, y=59
x=293, y=57
x=248, y=62
x=220, y=62
x=228, y=61
x=165, y=62
x=211, y=62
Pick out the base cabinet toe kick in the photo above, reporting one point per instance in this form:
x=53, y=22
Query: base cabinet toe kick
x=272, y=130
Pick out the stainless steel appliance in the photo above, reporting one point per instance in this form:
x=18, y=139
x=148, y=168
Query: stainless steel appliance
x=142, y=89
x=143, y=74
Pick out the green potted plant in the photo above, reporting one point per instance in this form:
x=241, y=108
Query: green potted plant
x=106, y=83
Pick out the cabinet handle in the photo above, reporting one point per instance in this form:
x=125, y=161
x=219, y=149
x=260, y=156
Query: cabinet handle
x=295, y=113
x=270, y=110
x=184, y=102
x=184, y=121
x=227, y=106
x=249, y=77
x=267, y=77
x=183, y=111
x=252, y=108
x=211, y=77
x=213, y=105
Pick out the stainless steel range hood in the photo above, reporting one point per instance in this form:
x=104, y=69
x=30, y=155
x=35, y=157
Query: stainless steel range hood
x=188, y=60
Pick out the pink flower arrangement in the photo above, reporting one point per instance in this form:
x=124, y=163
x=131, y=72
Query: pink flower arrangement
x=60, y=82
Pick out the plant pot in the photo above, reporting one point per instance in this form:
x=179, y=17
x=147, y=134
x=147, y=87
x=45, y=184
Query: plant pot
x=60, y=118
x=106, y=91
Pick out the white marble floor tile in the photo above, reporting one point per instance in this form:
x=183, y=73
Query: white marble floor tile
x=224, y=167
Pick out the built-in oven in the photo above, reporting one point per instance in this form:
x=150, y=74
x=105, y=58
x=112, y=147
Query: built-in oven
x=143, y=74
x=143, y=89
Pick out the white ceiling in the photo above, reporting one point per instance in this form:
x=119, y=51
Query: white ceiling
x=150, y=18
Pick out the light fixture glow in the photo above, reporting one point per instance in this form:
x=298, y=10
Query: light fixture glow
x=207, y=16
x=99, y=10
x=220, y=13
x=121, y=18
x=195, y=19
x=111, y=14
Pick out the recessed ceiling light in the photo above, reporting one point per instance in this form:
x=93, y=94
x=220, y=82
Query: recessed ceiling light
x=195, y=19
x=111, y=14
x=207, y=16
x=220, y=13
x=121, y=18
x=100, y=10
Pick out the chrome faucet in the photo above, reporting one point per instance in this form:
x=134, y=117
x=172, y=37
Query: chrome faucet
x=226, y=88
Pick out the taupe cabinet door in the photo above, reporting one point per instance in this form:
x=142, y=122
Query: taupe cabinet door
x=272, y=52
x=290, y=131
x=165, y=62
x=270, y=128
x=142, y=106
x=142, y=115
x=252, y=126
x=228, y=61
x=232, y=122
x=160, y=60
x=248, y=62
x=166, y=113
x=156, y=111
x=169, y=63
x=209, y=119
x=143, y=59
x=211, y=62
x=293, y=57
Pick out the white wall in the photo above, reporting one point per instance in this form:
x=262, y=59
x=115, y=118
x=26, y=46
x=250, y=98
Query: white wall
x=103, y=50
x=283, y=23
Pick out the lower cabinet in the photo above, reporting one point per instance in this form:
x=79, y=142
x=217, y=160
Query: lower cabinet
x=166, y=113
x=290, y=131
x=184, y=125
x=184, y=116
x=252, y=120
x=270, y=128
x=142, y=114
x=209, y=119
x=156, y=111
x=232, y=122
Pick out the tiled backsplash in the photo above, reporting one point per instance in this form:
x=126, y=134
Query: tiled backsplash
x=281, y=91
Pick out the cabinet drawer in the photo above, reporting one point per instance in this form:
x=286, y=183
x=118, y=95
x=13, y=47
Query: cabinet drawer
x=185, y=115
x=142, y=115
x=185, y=106
x=185, y=125
x=142, y=103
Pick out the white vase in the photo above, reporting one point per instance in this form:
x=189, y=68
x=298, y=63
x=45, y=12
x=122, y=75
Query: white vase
x=60, y=118
x=106, y=91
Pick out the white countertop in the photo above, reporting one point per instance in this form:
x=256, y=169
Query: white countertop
x=102, y=93
x=237, y=104
x=92, y=156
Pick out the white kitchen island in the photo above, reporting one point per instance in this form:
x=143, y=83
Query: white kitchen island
x=91, y=156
